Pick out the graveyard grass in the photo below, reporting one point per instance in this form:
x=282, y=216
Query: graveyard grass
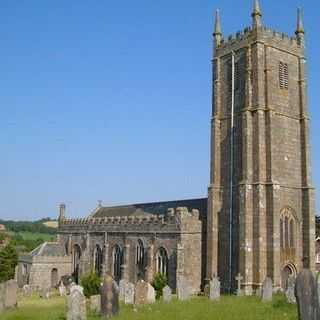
x=246, y=308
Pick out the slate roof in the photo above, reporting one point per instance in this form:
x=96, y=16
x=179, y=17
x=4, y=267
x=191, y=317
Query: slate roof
x=150, y=208
x=50, y=249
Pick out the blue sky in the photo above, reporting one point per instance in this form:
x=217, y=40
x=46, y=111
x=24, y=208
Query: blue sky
x=111, y=100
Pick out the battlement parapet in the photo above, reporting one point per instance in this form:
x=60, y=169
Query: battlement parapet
x=242, y=38
x=172, y=216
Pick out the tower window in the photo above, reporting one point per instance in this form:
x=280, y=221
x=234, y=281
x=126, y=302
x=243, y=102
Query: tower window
x=283, y=75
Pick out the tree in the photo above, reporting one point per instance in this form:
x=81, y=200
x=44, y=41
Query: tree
x=8, y=262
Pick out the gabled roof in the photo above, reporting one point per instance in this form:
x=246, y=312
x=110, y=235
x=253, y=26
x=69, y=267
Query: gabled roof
x=157, y=208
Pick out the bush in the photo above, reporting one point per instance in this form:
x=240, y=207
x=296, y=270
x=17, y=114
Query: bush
x=91, y=284
x=159, y=282
x=8, y=262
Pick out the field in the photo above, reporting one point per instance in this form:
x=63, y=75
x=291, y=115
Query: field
x=26, y=235
x=229, y=308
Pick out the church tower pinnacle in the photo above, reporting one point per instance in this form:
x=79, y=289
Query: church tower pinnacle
x=256, y=15
x=300, y=27
x=217, y=29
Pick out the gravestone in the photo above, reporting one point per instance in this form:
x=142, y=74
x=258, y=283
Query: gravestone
x=76, y=304
x=44, y=293
x=206, y=290
x=109, y=297
x=95, y=303
x=306, y=293
x=8, y=294
x=27, y=290
x=62, y=290
x=167, y=294
x=122, y=288
x=239, y=279
x=183, y=288
x=214, y=289
x=267, y=288
x=291, y=298
x=129, y=293
x=2, y=294
x=75, y=287
x=144, y=293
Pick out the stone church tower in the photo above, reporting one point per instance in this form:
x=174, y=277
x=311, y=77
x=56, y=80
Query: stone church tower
x=260, y=200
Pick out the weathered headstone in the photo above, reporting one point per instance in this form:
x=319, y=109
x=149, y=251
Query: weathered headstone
x=95, y=303
x=318, y=286
x=8, y=294
x=306, y=293
x=62, y=290
x=76, y=304
x=109, y=297
x=291, y=298
x=27, y=290
x=167, y=294
x=239, y=279
x=2, y=294
x=144, y=293
x=122, y=288
x=129, y=293
x=214, y=289
x=183, y=288
x=206, y=290
x=151, y=294
x=75, y=287
x=44, y=293
x=267, y=288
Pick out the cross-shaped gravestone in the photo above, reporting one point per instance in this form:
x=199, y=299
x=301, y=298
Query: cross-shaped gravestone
x=239, y=279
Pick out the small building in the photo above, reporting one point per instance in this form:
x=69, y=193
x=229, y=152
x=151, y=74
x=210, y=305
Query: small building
x=2, y=228
x=44, y=266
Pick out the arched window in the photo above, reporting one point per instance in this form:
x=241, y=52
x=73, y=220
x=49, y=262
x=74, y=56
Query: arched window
x=54, y=278
x=288, y=223
x=162, y=262
x=76, y=262
x=292, y=233
x=98, y=260
x=140, y=260
x=117, y=262
x=286, y=232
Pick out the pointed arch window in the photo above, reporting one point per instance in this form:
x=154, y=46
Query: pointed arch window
x=162, y=261
x=288, y=225
x=117, y=262
x=98, y=260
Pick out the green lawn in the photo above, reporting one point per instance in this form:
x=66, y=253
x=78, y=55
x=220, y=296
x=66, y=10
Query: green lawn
x=244, y=308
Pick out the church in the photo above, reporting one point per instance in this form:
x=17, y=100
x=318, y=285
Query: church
x=259, y=217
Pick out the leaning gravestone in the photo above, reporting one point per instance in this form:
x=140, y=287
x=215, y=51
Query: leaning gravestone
x=291, y=298
x=214, y=289
x=129, y=293
x=267, y=288
x=144, y=293
x=95, y=303
x=206, y=290
x=122, y=288
x=76, y=304
x=109, y=297
x=167, y=294
x=306, y=292
x=183, y=288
